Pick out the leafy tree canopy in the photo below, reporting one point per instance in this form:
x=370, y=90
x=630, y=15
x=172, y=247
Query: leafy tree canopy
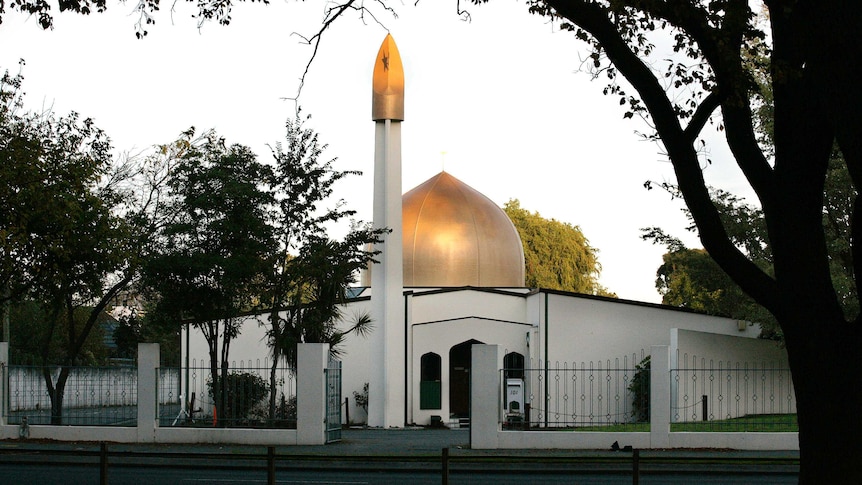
x=310, y=273
x=30, y=329
x=557, y=254
x=690, y=278
x=69, y=230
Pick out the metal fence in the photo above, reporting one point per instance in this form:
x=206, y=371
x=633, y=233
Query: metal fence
x=576, y=396
x=333, y=401
x=726, y=396
x=248, y=395
x=92, y=396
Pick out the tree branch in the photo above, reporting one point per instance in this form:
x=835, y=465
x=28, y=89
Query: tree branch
x=594, y=19
x=721, y=48
x=332, y=14
x=701, y=116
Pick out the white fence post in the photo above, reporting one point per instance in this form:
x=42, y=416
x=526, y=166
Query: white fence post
x=4, y=377
x=311, y=364
x=659, y=396
x=485, y=394
x=148, y=364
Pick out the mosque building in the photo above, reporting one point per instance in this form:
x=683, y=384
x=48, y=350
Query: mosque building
x=451, y=274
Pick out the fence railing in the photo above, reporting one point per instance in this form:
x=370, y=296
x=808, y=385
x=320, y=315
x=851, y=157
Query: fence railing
x=108, y=396
x=728, y=396
x=576, y=396
x=615, y=395
x=243, y=397
x=155, y=388
x=94, y=396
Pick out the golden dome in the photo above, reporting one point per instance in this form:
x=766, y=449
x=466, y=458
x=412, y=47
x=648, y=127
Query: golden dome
x=455, y=236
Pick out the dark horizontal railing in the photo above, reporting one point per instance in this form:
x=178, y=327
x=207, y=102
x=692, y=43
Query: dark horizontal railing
x=632, y=463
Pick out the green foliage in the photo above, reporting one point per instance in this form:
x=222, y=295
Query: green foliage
x=150, y=327
x=207, y=267
x=60, y=235
x=285, y=414
x=242, y=392
x=69, y=239
x=31, y=327
x=557, y=254
x=311, y=273
x=640, y=389
x=690, y=278
x=213, y=251
x=361, y=398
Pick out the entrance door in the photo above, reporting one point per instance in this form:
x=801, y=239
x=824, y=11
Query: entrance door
x=459, y=379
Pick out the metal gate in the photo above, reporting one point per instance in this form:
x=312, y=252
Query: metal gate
x=333, y=401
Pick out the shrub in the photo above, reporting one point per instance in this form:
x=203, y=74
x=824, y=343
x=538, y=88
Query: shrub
x=361, y=398
x=640, y=387
x=243, y=391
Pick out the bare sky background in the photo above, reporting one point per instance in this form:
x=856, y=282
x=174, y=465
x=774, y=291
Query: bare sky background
x=502, y=102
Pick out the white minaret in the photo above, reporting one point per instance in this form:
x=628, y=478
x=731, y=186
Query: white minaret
x=387, y=388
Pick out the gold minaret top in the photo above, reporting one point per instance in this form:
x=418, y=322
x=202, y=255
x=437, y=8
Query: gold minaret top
x=387, y=101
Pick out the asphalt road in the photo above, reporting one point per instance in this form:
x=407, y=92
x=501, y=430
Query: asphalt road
x=50, y=474
x=368, y=456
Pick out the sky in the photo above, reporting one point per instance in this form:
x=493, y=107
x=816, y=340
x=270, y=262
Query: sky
x=502, y=102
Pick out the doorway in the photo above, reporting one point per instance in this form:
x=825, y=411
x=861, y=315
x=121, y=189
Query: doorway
x=460, y=357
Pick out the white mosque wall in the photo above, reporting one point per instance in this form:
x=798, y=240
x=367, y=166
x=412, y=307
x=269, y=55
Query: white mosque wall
x=437, y=306
x=581, y=329
x=595, y=334
x=728, y=377
x=248, y=349
x=355, y=353
x=440, y=336
x=690, y=349
x=578, y=330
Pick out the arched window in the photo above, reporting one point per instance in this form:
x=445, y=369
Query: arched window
x=513, y=365
x=429, y=381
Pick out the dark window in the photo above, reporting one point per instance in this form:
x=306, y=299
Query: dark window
x=429, y=381
x=513, y=366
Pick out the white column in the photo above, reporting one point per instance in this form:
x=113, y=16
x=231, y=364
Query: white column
x=485, y=393
x=148, y=381
x=659, y=396
x=386, y=390
x=311, y=361
x=411, y=388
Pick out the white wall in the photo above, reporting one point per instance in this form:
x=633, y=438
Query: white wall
x=737, y=376
x=579, y=330
x=582, y=329
x=689, y=347
x=487, y=432
x=356, y=358
x=436, y=306
x=440, y=337
x=248, y=349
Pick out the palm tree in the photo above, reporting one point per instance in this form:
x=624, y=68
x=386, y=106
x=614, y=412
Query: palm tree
x=313, y=309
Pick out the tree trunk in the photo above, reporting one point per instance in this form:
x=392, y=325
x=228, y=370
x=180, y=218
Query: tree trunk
x=228, y=407
x=215, y=383
x=276, y=355
x=56, y=392
x=823, y=357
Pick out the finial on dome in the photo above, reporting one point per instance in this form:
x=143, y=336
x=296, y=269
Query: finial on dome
x=387, y=101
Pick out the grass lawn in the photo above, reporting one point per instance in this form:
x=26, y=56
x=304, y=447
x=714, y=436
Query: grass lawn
x=758, y=423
